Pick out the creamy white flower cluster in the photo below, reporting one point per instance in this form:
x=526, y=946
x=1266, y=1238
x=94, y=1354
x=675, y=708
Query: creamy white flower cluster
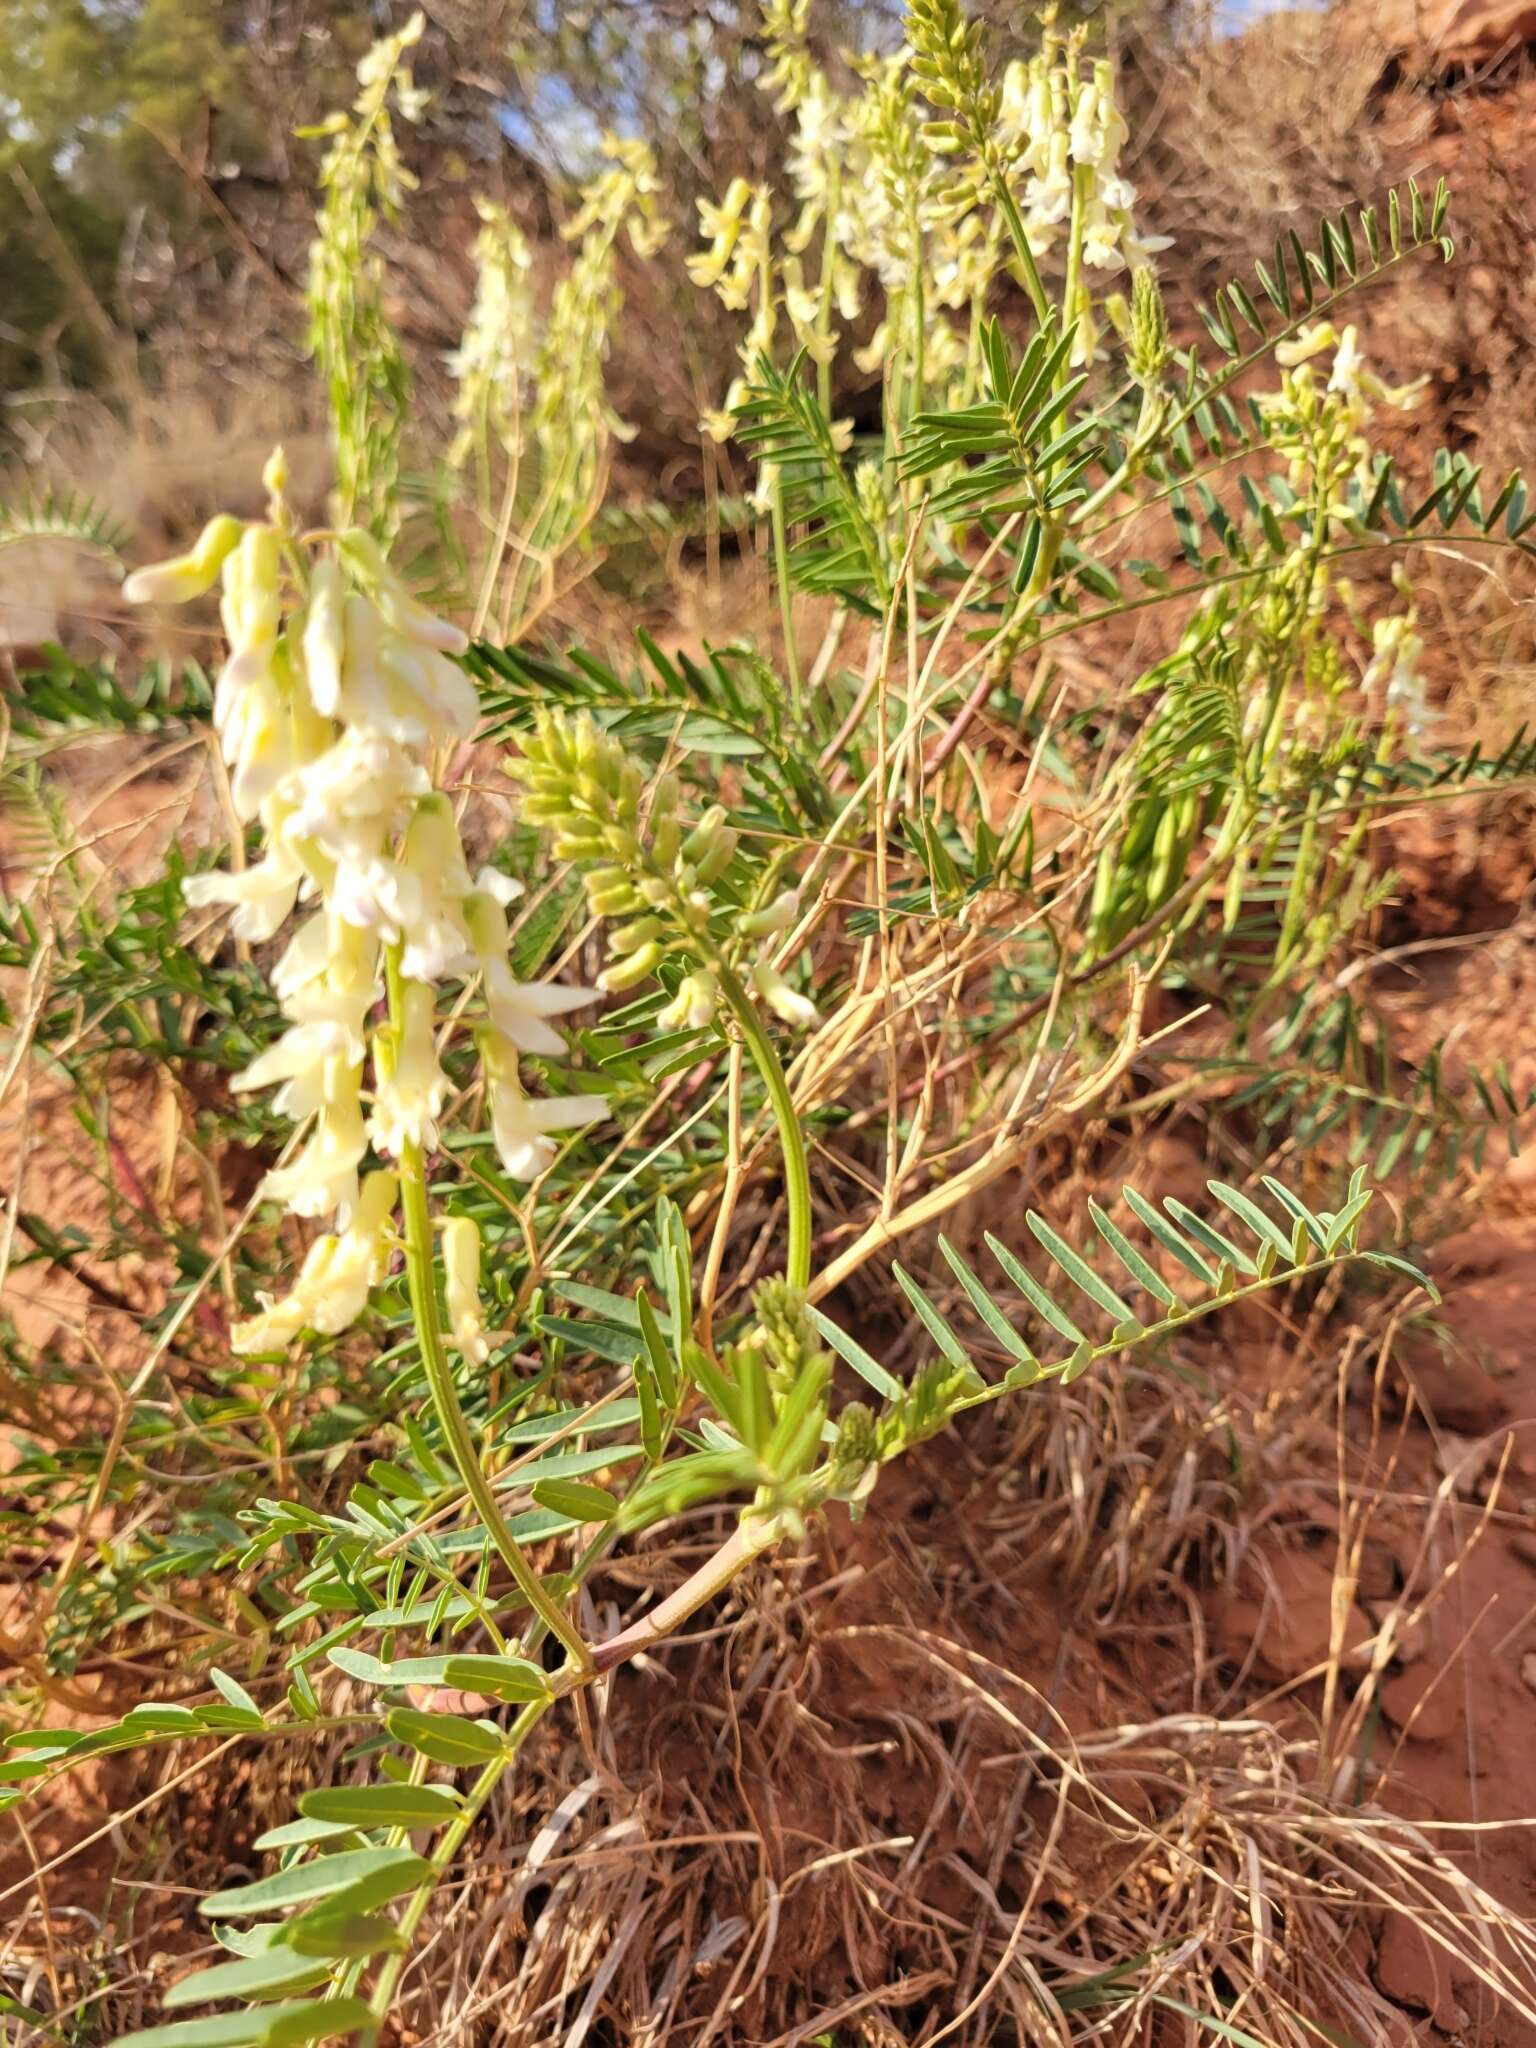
x=1064, y=129
x=510, y=358
x=869, y=179
x=1397, y=650
x=494, y=358
x=1316, y=422
x=337, y=684
x=862, y=182
x=736, y=263
x=571, y=412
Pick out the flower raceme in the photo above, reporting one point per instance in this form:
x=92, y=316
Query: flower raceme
x=337, y=686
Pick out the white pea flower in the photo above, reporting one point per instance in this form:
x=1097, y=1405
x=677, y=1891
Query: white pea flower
x=187, y=576
x=1050, y=199
x=1101, y=243
x=256, y=731
x=1397, y=650
x=334, y=674
x=401, y=683
x=330, y=974
x=418, y=900
x=297, y=1065
x=325, y=636
x=251, y=610
x=450, y=701
x=720, y=222
x=784, y=1001
x=693, y=1006
x=323, y=1178
x=518, y=1009
x=522, y=1123
x=1307, y=342
x=410, y=1090
x=264, y=894
x=492, y=882
x=352, y=798
x=331, y=1291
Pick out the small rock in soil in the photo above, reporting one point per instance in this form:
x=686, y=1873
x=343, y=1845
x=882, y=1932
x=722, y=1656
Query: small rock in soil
x=1288, y=1618
x=1424, y=1702
x=1413, y=1971
x=1378, y=1572
x=1457, y=1393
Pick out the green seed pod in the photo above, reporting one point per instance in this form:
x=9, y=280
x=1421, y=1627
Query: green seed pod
x=1103, y=888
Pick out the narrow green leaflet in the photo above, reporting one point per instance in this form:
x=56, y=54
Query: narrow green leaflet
x=401, y=1869
x=268, y=1975
x=381, y=1806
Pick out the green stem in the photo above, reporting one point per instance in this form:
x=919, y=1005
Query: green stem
x=1008, y=207
x=381, y=1998
x=786, y=596
x=1082, y=185
x=919, y=315
x=780, y=530
x=421, y=1278
x=828, y=279
x=797, y=1172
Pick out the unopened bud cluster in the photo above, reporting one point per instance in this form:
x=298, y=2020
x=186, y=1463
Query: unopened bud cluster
x=648, y=870
x=337, y=685
x=788, y=1337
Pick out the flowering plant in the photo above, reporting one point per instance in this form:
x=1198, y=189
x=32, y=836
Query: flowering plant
x=849, y=969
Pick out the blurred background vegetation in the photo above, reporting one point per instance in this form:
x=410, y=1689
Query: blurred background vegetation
x=157, y=195
x=156, y=186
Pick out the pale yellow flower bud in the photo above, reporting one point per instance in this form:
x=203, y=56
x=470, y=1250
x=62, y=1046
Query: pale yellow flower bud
x=274, y=477
x=630, y=972
x=189, y=575
x=784, y=1001
x=694, y=1004
x=410, y=1086
x=776, y=916
x=521, y=1123
x=331, y=1291
x=461, y=1276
